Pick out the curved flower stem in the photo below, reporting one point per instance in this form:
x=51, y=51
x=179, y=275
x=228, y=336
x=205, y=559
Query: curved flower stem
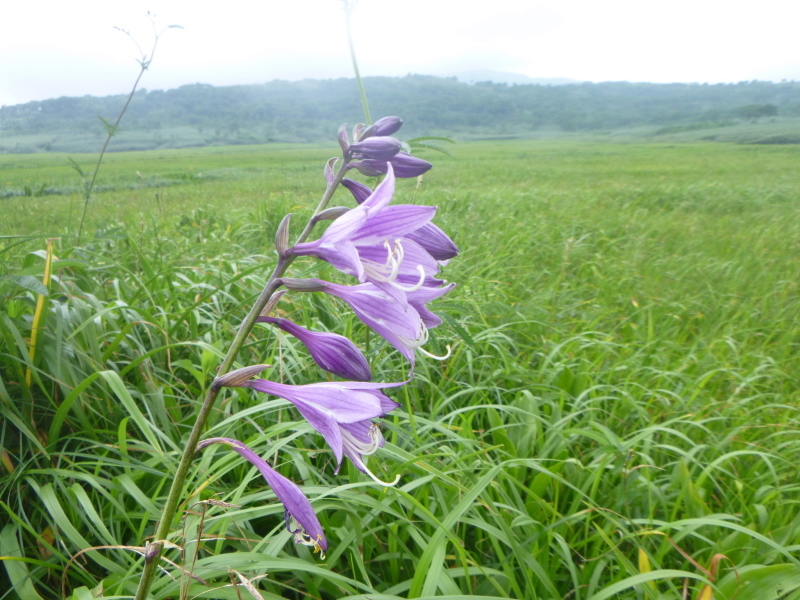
x=153, y=554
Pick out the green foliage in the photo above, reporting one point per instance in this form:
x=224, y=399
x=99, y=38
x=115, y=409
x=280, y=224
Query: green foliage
x=312, y=110
x=623, y=380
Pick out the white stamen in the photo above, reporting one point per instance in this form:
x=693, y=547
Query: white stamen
x=434, y=357
x=358, y=448
x=414, y=287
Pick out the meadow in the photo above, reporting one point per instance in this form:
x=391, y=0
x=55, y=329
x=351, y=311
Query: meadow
x=619, y=417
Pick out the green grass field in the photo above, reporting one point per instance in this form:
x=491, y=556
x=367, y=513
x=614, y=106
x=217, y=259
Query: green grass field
x=619, y=412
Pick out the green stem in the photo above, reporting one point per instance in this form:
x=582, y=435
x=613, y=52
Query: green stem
x=144, y=64
x=348, y=9
x=153, y=555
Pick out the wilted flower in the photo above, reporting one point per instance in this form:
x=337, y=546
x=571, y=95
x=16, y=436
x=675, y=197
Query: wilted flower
x=331, y=351
x=341, y=412
x=296, y=505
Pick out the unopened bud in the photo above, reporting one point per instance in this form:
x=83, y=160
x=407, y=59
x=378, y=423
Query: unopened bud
x=404, y=165
x=360, y=191
x=282, y=235
x=152, y=552
x=384, y=126
x=238, y=377
x=378, y=148
x=367, y=169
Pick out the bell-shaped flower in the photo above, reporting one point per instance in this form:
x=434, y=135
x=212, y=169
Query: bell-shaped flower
x=371, y=224
x=341, y=412
x=388, y=314
x=403, y=164
x=297, y=507
x=435, y=241
x=331, y=351
x=421, y=296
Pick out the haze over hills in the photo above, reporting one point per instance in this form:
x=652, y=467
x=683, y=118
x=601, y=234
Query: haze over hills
x=481, y=75
x=312, y=110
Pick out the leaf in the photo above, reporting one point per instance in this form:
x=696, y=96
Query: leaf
x=760, y=582
x=17, y=570
x=77, y=167
x=111, y=129
x=29, y=282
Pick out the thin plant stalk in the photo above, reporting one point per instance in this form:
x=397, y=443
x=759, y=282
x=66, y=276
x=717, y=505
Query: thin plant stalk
x=153, y=555
x=348, y=9
x=111, y=130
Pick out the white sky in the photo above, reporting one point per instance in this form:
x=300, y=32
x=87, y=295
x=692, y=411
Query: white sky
x=71, y=48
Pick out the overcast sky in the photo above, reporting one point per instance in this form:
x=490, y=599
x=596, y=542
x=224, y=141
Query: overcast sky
x=72, y=49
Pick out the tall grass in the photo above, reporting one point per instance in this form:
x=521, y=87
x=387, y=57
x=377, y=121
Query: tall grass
x=619, y=409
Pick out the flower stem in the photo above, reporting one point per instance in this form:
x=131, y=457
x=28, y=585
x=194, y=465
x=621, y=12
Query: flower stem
x=348, y=9
x=153, y=555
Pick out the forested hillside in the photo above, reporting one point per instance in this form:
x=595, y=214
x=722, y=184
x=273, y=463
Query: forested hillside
x=304, y=111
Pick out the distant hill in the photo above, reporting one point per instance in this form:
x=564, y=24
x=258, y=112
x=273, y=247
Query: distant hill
x=510, y=78
x=312, y=110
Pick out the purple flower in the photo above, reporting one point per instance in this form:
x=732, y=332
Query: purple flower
x=404, y=165
x=375, y=148
x=341, y=412
x=383, y=126
x=371, y=224
x=297, y=506
x=332, y=352
x=435, y=241
x=387, y=314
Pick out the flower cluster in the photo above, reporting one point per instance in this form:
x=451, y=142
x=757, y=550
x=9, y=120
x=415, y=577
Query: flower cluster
x=395, y=253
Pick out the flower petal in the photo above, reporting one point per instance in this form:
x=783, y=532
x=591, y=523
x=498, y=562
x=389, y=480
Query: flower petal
x=332, y=352
x=293, y=499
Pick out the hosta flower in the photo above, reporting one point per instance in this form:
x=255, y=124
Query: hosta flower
x=332, y=352
x=403, y=164
x=375, y=148
x=383, y=126
x=297, y=507
x=341, y=412
x=390, y=316
x=352, y=241
x=435, y=241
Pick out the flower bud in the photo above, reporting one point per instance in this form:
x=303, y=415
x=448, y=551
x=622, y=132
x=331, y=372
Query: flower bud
x=331, y=351
x=366, y=169
x=378, y=148
x=384, y=126
x=360, y=191
x=404, y=165
x=435, y=242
